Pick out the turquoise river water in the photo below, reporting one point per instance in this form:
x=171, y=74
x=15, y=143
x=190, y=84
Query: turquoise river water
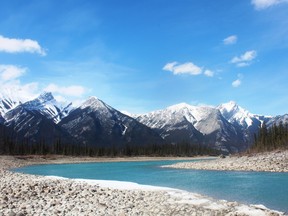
x=269, y=189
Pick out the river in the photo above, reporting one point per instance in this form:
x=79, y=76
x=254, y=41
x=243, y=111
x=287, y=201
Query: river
x=269, y=189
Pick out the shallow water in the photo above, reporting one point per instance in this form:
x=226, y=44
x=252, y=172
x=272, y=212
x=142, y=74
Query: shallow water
x=269, y=189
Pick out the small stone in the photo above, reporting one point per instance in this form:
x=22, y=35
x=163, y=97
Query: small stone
x=11, y=213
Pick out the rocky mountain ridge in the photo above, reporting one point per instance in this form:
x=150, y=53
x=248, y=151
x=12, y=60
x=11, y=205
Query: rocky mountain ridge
x=94, y=123
x=227, y=127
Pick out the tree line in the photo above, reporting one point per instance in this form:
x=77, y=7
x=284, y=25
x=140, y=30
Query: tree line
x=10, y=144
x=272, y=138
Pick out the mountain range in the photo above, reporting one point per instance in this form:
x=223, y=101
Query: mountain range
x=227, y=127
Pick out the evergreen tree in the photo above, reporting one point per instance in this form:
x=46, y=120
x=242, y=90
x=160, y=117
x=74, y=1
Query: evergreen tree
x=268, y=139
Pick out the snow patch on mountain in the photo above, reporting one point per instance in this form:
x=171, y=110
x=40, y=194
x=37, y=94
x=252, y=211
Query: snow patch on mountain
x=8, y=100
x=92, y=103
x=277, y=120
x=49, y=107
x=236, y=114
x=204, y=119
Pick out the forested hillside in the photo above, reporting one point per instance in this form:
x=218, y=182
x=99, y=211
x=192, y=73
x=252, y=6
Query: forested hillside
x=272, y=138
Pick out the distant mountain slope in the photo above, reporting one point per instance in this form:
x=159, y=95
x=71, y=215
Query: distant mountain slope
x=8, y=101
x=32, y=126
x=198, y=125
x=174, y=124
x=246, y=123
x=49, y=107
x=227, y=127
x=96, y=123
x=277, y=120
x=237, y=115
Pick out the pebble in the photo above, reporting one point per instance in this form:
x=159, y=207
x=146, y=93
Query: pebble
x=276, y=161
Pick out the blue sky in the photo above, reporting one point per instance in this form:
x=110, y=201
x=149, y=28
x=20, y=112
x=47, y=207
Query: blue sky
x=140, y=56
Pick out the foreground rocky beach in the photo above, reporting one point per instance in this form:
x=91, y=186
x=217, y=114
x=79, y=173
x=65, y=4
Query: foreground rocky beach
x=23, y=194
x=276, y=161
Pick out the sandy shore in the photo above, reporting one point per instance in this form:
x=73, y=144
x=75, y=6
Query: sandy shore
x=276, y=161
x=23, y=194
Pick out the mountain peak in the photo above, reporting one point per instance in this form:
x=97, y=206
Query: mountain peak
x=234, y=113
x=45, y=97
x=93, y=98
x=179, y=106
x=230, y=106
x=92, y=102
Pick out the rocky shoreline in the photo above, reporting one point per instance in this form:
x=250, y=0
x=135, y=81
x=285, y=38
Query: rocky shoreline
x=23, y=194
x=276, y=161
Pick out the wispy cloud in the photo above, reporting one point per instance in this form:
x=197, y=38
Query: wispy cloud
x=11, y=45
x=208, y=73
x=186, y=68
x=23, y=92
x=263, y=4
x=10, y=72
x=230, y=40
x=236, y=83
x=245, y=59
x=73, y=90
x=11, y=85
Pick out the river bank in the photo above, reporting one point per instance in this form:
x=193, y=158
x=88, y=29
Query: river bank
x=276, y=161
x=23, y=194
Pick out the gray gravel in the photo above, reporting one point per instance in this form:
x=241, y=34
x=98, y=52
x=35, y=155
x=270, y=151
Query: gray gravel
x=276, y=161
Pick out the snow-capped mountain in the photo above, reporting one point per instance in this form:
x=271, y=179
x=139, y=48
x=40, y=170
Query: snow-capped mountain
x=194, y=124
x=45, y=103
x=242, y=119
x=31, y=126
x=176, y=114
x=7, y=104
x=8, y=101
x=227, y=127
x=236, y=114
x=36, y=120
x=96, y=123
x=174, y=123
x=283, y=119
x=49, y=107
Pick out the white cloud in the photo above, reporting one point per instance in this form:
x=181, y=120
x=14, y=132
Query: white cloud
x=60, y=98
x=230, y=40
x=245, y=59
x=77, y=103
x=263, y=4
x=208, y=73
x=186, y=68
x=243, y=64
x=11, y=45
x=16, y=89
x=73, y=90
x=10, y=72
x=247, y=56
x=11, y=86
x=236, y=83
x=170, y=66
